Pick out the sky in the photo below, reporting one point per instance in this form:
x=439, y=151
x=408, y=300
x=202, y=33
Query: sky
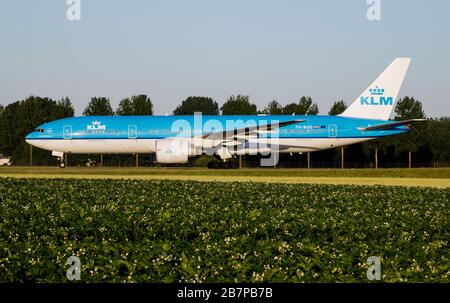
x=267, y=49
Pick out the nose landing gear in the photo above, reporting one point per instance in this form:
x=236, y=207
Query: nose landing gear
x=62, y=163
x=60, y=157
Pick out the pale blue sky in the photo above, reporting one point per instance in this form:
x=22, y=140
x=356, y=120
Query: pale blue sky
x=277, y=49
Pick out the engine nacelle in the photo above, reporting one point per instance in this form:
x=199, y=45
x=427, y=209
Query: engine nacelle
x=172, y=151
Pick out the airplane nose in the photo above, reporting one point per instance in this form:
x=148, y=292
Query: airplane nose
x=29, y=138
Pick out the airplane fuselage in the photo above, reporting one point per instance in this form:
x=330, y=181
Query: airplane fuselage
x=139, y=134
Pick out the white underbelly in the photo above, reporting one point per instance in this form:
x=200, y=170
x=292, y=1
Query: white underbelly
x=298, y=145
x=98, y=146
x=125, y=146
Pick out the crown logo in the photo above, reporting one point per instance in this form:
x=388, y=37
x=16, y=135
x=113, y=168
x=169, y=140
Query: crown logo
x=96, y=123
x=376, y=91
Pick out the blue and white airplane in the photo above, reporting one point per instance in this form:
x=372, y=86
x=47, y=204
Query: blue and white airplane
x=176, y=138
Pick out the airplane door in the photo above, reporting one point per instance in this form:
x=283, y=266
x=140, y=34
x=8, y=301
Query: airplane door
x=67, y=132
x=332, y=130
x=132, y=131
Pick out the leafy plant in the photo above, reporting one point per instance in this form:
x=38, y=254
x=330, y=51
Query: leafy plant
x=177, y=231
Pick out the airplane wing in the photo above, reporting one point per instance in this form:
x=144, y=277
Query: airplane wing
x=242, y=133
x=392, y=125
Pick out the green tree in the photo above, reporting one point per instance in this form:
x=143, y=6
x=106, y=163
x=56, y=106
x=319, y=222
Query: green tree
x=305, y=106
x=205, y=105
x=139, y=105
x=125, y=108
x=62, y=109
x=338, y=108
x=406, y=144
x=290, y=109
x=99, y=106
x=239, y=105
x=438, y=136
x=2, y=109
x=8, y=123
x=142, y=105
x=21, y=117
x=409, y=108
x=273, y=108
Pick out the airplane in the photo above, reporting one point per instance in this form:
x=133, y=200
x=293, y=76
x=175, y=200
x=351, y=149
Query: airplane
x=174, y=139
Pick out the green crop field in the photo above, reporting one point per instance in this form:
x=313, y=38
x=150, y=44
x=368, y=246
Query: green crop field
x=177, y=231
x=438, y=173
x=424, y=177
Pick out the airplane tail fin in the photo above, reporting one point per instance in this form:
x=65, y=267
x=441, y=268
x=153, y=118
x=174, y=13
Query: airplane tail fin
x=379, y=99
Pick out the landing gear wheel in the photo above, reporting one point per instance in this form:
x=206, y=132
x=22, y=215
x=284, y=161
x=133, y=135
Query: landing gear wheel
x=62, y=164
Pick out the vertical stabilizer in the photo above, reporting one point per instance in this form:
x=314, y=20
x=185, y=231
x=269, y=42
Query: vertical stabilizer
x=379, y=99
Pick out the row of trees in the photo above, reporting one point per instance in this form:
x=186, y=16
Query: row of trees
x=136, y=105
x=235, y=105
x=427, y=144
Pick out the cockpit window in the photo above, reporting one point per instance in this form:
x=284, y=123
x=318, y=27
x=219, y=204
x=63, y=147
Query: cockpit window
x=39, y=130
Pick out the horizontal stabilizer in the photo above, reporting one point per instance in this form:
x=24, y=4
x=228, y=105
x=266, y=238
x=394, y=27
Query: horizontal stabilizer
x=392, y=125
